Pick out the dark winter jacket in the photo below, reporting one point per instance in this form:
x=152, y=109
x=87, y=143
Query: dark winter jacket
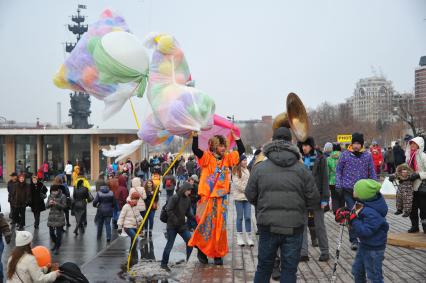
x=389, y=158
x=149, y=195
x=21, y=196
x=398, y=155
x=320, y=173
x=172, y=182
x=56, y=216
x=5, y=229
x=10, y=189
x=178, y=207
x=190, y=167
x=352, y=168
x=104, y=201
x=121, y=193
x=282, y=189
x=37, y=200
x=80, y=198
x=145, y=165
x=370, y=226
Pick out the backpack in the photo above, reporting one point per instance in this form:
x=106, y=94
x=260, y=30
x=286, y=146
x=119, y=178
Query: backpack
x=163, y=214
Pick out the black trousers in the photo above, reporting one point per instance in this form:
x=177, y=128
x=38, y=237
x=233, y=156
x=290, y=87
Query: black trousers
x=36, y=218
x=19, y=216
x=419, y=204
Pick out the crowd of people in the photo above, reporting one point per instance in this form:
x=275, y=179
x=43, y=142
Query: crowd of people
x=291, y=187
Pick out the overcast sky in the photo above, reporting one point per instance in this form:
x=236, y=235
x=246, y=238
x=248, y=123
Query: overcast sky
x=247, y=55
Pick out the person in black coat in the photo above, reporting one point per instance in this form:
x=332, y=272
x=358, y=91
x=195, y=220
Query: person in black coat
x=398, y=154
x=38, y=194
x=178, y=206
x=10, y=187
x=20, y=200
x=105, y=202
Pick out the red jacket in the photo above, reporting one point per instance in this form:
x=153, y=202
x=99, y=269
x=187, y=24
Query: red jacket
x=122, y=193
x=376, y=153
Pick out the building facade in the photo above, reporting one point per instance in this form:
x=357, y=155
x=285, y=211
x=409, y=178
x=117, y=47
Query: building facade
x=372, y=100
x=25, y=150
x=420, y=91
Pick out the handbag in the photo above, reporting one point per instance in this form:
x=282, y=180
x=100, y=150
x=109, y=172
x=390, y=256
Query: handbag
x=422, y=188
x=89, y=197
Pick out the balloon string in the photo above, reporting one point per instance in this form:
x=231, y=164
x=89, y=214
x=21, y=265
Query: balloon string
x=153, y=198
x=134, y=113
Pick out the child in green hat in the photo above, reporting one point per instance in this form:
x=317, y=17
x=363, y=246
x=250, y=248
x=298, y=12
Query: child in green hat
x=368, y=219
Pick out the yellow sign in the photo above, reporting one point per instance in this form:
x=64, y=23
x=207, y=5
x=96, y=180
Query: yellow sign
x=344, y=138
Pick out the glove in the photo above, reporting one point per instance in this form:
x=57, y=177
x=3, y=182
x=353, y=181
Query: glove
x=119, y=231
x=414, y=176
x=392, y=178
x=353, y=215
x=342, y=215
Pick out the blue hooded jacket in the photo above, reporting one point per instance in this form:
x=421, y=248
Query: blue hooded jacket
x=370, y=226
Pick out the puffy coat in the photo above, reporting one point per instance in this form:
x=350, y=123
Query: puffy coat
x=331, y=165
x=21, y=195
x=370, y=226
x=352, y=168
x=177, y=208
x=398, y=155
x=376, y=153
x=121, y=193
x=137, y=187
x=130, y=217
x=56, y=216
x=105, y=202
x=282, y=189
x=239, y=184
x=29, y=271
x=420, y=160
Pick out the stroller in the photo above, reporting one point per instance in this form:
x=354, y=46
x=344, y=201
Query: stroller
x=71, y=273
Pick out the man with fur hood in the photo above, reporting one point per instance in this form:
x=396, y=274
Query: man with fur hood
x=416, y=160
x=282, y=190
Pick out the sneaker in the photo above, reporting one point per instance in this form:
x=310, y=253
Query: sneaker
x=354, y=246
x=202, y=258
x=276, y=274
x=398, y=212
x=218, y=261
x=413, y=230
x=406, y=214
x=324, y=258
x=165, y=267
x=249, y=240
x=240, y=239
x=304, y=258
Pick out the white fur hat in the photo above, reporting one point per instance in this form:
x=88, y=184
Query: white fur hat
x=23, y=238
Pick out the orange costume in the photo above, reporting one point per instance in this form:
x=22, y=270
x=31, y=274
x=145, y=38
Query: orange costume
x=210, y=235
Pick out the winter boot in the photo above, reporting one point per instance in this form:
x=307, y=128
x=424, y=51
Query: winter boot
x=202, y=258
x=218, y=261
x=249, y=239
x=276, y=272
x=240, y=239
x=313, y=236
x=413, y=230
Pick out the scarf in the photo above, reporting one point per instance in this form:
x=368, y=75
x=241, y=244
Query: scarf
x=412, y=161
x=309, y=161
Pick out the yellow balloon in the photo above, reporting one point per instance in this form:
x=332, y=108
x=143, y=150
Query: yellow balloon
x=59, y=79
x=165, y=44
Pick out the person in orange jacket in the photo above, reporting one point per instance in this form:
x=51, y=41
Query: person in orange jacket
x=376, y=153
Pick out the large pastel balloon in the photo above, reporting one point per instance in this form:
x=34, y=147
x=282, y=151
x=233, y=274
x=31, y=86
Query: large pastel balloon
x=178, y=107
x=127, y=49
x=42, y=255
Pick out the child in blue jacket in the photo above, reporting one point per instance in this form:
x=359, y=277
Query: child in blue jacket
x=368, y=220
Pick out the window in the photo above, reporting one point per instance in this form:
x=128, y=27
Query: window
x=26, y=154
x=79, y=152
x=53, y=153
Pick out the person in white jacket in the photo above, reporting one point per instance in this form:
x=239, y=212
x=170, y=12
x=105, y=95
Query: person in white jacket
x=22, y=265
x=242, y=206
x=130, y=217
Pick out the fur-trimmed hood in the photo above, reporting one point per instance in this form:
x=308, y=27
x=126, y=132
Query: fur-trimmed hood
x=282, y=153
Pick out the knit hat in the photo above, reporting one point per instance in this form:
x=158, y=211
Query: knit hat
x=328, y=147
x=242, y=157
x=186, y=187
x=366, y=189
x=194, y=177
x=282, y=133
x=357, y=137
x=23, y=238
x=309, y=141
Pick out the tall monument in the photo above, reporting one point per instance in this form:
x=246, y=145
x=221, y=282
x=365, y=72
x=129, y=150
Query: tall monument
x=80, y=101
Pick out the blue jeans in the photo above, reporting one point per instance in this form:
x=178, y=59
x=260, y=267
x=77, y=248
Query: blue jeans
x=132, y=233
x=115, y=213
x=243, y=208
x=107, y=221
x=171, y=236
x=149, y=223
x=350, y=202
x=192, y=224
x=269, y=243
x=368, y=262
x=1, y=253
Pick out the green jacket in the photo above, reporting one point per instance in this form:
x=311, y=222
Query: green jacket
x=332, y=164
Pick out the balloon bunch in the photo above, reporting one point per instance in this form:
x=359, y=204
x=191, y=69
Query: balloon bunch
x=108, y=63
x=178, y=108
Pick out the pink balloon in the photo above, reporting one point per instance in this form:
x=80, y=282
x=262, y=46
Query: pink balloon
x=221, y=126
